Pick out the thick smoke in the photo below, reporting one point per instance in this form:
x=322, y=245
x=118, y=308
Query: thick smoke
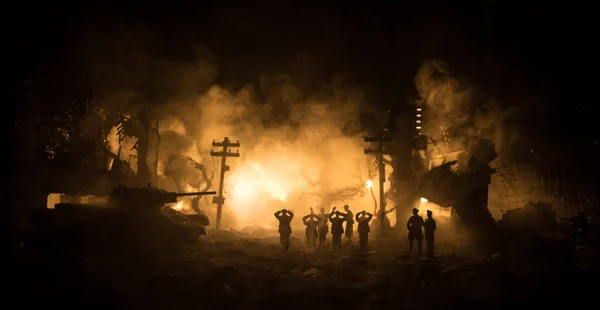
x=301, y=161
x=298, y=150
x=460, y=110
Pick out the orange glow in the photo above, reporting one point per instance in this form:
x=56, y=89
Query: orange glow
x=178, y=206
x=424, y=205
x=252, y=180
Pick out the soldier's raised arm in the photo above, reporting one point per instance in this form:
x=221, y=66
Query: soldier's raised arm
x=306, y=219
x=291, y=214
x=331, y=215
x=277, y=214
x=357, y=216
x=369, y=216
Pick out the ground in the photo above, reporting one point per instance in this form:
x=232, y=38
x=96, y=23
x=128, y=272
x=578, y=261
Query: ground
x=235, y=270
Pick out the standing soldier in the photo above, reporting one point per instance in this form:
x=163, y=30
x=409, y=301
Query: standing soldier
x=323, y=228
x=285, y=229
x=430, y=228
x=363, y=218
x=415, y=231
x=337, y=219
x=312, y=222
x=349, y=225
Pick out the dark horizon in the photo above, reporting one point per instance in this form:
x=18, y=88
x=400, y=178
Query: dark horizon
x=517, y=53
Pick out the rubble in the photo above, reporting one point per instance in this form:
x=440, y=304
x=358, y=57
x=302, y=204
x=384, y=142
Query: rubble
x=231, y=269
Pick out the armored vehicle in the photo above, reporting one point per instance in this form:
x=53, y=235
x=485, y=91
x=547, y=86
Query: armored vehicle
x=133, y=218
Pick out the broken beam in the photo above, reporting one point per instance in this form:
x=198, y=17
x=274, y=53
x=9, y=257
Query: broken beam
x=224, y=154
x=378, y=139
x=384, y=151
x=228, y=144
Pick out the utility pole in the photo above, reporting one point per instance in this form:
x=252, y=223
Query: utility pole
x=226, y=144
x=381, y=150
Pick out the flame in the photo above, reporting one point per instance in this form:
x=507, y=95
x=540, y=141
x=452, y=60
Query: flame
x=425, y=205
x=369, y=184
x=252, y=181
x=178, y=206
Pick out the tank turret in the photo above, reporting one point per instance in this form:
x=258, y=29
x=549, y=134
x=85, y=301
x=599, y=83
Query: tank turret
x=132, y=218
x=146, y=198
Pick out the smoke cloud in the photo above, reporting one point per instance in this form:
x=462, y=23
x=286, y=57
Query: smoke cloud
x=298, y=150
x=458, y=108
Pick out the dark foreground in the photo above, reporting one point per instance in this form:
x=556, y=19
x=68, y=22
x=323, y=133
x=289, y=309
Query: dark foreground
x=229, y=270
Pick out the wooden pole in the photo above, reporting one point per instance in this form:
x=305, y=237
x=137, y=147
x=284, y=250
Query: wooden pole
x=379, y=153
x=226, y=144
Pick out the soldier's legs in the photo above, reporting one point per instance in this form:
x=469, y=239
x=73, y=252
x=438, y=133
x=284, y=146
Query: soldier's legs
x=336, y=240
x=348, y=242
x=430, y=252
x=285, y=240
x=363, y=240
x=420, y=244
x=410, y=242
x=322, y=237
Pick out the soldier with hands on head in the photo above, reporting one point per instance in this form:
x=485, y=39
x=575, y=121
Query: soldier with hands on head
x=285, y=229
x=363, y=218
x=312, y=222
x=337, y=220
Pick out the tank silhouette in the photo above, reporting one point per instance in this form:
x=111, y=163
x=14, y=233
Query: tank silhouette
x=133, y=218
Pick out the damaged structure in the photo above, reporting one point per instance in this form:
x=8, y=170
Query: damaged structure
x=451, y=175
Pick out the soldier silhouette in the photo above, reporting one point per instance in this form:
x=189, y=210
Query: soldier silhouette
x=415, y=230
x=285, y=229
x=430, y=227
x=349, y=231
x=363, y=218
x=337, y=220
x=323, y=228
x=312, y=222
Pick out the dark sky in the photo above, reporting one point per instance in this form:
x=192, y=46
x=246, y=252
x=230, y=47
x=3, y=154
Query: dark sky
x=512, y=49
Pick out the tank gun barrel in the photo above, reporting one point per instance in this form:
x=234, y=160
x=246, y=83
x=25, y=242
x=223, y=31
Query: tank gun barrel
x=195, y=194
x=168, y=197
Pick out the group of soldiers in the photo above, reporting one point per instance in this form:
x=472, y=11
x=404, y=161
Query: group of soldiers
x=415, y=227
x=317, y=227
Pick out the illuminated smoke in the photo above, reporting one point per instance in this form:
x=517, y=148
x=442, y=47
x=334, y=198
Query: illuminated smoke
x=299, y=150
